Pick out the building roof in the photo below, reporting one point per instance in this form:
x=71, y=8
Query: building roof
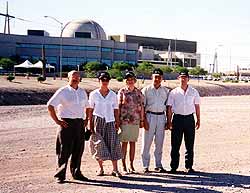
x=84, y=26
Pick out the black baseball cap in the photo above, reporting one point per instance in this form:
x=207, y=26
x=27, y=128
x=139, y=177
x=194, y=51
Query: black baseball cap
x=158, y=71
x=104, y=76
x=129, y=75
x=184, y=73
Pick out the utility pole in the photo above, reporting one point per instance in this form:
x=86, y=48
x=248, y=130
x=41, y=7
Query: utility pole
x=44, y=62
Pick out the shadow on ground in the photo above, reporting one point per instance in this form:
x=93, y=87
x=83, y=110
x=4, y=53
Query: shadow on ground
x=197, y=182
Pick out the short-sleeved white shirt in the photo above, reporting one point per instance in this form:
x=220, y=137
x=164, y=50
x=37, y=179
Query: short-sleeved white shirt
x=70, y=103
x=103, y=106
x=183, y=103
x=155, y=100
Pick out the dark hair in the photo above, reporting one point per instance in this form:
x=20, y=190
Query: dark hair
x=104, y=75
x=158, y=71
x=129, y=75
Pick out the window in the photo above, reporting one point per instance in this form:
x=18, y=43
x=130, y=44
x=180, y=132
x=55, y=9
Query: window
x=92, y=60
x=21, y=45
x=83, y=35
x=131, y=62
x=51, y=59
x=52, y=46
x=106, y=49
x=131, y=52
x=91, y=48
x=108, y=62
x=119, y=51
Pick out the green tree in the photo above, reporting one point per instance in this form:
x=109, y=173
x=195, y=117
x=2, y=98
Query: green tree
x=166, y=69
x=94, y=66
x=217, y=75
x=7, y=63
x=114, y=73
x=198, y=71
x=178, y=69
x=122, y=66
x=145, y=68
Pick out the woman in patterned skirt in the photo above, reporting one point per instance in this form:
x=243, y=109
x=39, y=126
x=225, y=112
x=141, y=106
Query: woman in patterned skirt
x=104, y=123
x=131, y=107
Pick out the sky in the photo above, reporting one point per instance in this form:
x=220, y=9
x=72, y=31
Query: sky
x=216, y=25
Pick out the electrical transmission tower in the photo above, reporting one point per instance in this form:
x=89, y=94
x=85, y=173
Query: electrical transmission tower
x=8, y=18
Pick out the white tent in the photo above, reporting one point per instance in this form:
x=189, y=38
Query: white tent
x=39, y=64
x=26, y=64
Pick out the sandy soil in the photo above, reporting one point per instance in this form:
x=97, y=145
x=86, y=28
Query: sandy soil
x=222, y=154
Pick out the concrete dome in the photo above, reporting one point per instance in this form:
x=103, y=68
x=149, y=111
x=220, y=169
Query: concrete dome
x=87, y=27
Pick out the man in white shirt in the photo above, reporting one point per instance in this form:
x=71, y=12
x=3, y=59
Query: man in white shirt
x=155, y=101
x=70, y=102
x=183, y=102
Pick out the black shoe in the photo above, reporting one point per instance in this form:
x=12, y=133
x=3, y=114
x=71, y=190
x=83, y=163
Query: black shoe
x=160, y=170
x=145, y=170
x=172, y=171
x=80, y=177
x=60, y=180
x=189, y=170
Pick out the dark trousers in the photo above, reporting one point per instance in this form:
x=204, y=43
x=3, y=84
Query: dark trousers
x=182, y=125
x=70, y=142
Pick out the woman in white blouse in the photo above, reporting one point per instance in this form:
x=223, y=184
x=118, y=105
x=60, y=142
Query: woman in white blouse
x=104, y=123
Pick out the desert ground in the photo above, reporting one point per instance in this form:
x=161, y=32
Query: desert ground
x=222, y=152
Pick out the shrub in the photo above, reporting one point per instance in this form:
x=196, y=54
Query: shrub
x=119, y=79
x=94, y=66
x=41, y=79
x=121, y=66
x=90, y=75
x=10, y=77
x=114, y=73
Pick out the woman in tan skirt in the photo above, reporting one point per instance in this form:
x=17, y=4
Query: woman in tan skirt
x=131, y=108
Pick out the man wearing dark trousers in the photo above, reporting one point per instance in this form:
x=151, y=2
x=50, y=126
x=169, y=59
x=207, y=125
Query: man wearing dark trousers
x=183, y=103
x=70, y=102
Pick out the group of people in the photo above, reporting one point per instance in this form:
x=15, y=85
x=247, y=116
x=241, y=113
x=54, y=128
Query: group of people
x=114, y=121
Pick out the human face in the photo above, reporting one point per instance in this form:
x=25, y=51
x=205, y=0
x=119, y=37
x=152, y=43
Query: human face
x=74, y=80
x=183, y=80
x=104, y=82
x=157, y=80
x=130, y=82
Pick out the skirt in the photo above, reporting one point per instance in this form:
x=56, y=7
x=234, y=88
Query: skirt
x=105, y=143
x=129, y=133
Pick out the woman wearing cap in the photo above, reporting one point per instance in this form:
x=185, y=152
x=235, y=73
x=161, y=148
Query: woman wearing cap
x=131, y=107
x=104, y=123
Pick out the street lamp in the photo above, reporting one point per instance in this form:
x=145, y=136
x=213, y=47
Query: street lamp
x=61, y=42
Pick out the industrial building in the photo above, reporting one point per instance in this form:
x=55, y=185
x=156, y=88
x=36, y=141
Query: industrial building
x=81, y=41
x=163, y=51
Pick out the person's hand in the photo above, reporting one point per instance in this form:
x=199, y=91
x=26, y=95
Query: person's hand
x=169, y=125
x=141, y=124
x=62, y=123
x=197, y=125
x=117, y=124
x=146, y=125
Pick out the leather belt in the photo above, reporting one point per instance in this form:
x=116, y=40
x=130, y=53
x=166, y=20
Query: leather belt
x=156, y=113
x=183, y=116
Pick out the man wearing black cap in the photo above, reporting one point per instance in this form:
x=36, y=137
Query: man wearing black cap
x=155, y=101
x=183, y=102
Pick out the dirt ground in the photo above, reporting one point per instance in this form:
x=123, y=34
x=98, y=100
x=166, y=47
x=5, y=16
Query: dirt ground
x=222, y=154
